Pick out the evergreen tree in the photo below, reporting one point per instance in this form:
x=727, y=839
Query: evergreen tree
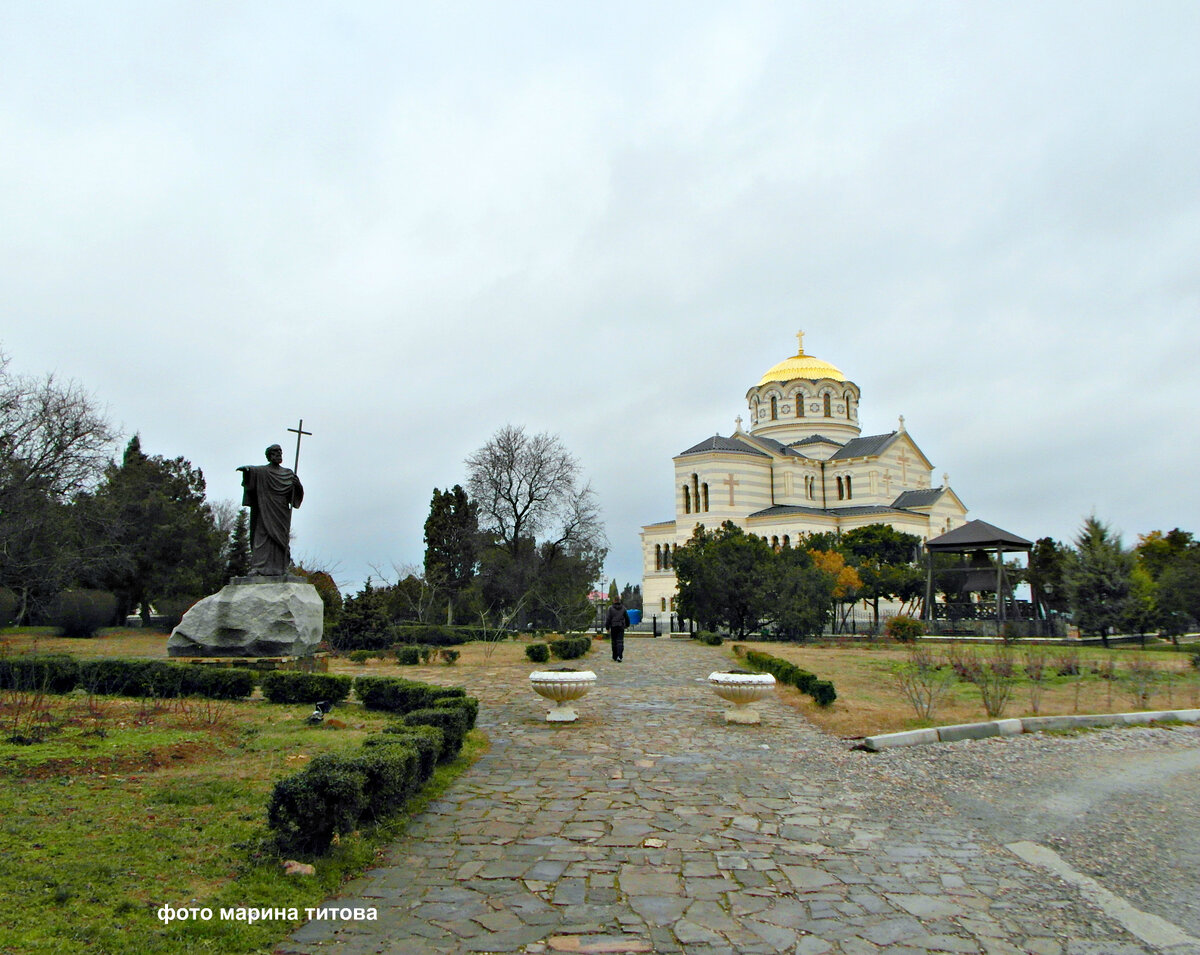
x=164, y=540
x=237, y=563
x=720, y=578
x=1099, y=579
x=451, y=544
x=885, y=560
x=1047, y=574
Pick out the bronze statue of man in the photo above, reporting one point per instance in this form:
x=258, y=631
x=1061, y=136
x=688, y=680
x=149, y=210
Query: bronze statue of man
x=270, y=491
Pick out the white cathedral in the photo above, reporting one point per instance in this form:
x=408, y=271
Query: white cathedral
x=802, y=467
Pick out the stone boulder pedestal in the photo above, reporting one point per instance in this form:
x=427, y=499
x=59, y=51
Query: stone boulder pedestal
x=252, y=617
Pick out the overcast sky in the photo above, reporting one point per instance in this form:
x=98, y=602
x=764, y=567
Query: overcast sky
x=412, y=223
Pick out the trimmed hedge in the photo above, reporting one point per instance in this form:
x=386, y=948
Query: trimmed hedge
x=336, y=793
x=290, y=686
x=570, y=648
x=822, y=691
x=53, y=673
x=327, y=797
x=431, y=634
x=453, y=721
x=397, y=695
x=61, y=674
x=537, y=652
x=429, y=742
x=466, y=703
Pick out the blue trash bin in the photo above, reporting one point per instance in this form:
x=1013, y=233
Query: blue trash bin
x=635, y=616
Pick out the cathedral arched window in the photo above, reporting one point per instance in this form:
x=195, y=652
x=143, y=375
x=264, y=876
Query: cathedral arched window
x=696, y=490
x=666, y=556
x=849, y=489
x=787, y=541
x=775, y=542
x=799, y=404
x=841, y=489
x=704, y=495
x=663, y=603
x=848, y=399
x=687, y=500
x=658, y=556
x=774, y=407
x=828, y=408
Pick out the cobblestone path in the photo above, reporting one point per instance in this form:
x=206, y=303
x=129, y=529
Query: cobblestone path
x=650, y=825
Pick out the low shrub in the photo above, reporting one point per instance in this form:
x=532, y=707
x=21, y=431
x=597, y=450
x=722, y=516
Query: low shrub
x=52, y=673
x=336, y=793
x=392, y=774
x=291, y=686
x=80, y=613
x=448, y=657
x=327, y=798
x=467, y=703
x=453, y=721
x=395, y=694
x=154, y=678
x=904, y=629
x=709, y=638
x=361, y=656
x=568, y=648
x=822, y=691
x=131, y=678
x=408, y=655
x=432, y=634
x=429, y=741
x=218, y=683
x=537, y=652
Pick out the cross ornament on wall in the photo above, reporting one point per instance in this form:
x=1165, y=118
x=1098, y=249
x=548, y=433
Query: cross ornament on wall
x=299, y=430
x=731, y=483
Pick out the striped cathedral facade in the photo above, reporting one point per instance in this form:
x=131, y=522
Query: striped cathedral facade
x=801, y=466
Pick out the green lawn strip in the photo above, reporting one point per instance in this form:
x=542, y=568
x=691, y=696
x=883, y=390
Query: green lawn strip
x=99, y=832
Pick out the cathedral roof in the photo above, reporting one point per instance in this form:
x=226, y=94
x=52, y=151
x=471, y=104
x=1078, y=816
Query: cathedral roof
x=923, y=498
x=717, y=443
x=814, y=439
x=781, y=449
x=864, y=447
x=782, y=510
x=801, y=365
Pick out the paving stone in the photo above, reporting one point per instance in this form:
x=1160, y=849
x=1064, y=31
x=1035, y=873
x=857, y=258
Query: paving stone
x=650, y=822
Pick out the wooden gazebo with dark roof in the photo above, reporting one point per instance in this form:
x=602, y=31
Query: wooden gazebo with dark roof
x=972, y=537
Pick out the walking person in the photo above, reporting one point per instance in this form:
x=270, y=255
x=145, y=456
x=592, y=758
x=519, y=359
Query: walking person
x=616, y=621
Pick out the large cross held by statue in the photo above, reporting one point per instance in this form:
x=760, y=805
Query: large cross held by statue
x=299, y=430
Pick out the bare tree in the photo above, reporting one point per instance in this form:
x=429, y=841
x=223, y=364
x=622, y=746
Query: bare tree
x=54, y=443
x=52, y=435
x=529, y=485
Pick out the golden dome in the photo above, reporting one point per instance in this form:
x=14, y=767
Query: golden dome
x=801, y=365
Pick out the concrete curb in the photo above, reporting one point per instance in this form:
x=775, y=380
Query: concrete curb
x=1014, y=727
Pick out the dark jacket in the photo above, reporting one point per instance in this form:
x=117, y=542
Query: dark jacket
x=617, y=617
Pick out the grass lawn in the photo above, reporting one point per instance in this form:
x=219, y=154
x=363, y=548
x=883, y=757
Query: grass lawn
x=129, y=804
x=870, y=700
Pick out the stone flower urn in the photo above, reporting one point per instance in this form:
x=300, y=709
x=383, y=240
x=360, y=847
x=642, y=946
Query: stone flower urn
x=562, y=686
x=741, y=688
